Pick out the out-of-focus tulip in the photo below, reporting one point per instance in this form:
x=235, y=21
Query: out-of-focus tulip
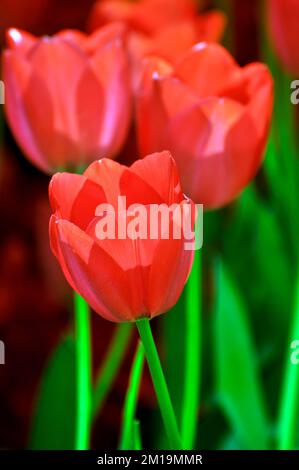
x=174, y=40
x=163, y=27
x=122, y=278
x=211, y=114
x=146, y=16
x=284, y=25
x=68, y=97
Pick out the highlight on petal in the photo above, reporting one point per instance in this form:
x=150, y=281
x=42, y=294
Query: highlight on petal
x=110, y=64
x=20, y=41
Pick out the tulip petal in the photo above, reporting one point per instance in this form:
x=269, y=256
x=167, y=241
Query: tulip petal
x=75, y=198
x=55, y=247
x=221, y=114
x=132, y=249
x=16, y=77
x=110, y=66
x=118, y=180
x=83, y=259
x=150, y=113
x=137, y=190
x=161, y=173
x=170, y=269
x=103, y=37
x=244, y=151
x=73, y=37
x=128, y=251
x=260, y=89
x=100, y=128
x=20, y=41
x=108, y=11
x=106, y=173
x=148, y=16
x=184, y=34
x=207, y=60
x=156, y=266
x=90, y=113
x=56, y=63
x=176, y=96
x=199, y=142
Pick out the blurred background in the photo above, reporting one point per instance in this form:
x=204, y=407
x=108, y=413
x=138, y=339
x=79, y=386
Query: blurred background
x=249, y=236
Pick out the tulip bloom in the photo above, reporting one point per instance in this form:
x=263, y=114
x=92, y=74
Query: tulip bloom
x=284, y=26
x=164, y=27
x=146, y=16
x=123, y=278
x=211, y=114
x=68, y=97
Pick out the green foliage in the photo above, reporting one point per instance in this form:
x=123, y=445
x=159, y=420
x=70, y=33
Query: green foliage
x=238, y=386
x=53, y=426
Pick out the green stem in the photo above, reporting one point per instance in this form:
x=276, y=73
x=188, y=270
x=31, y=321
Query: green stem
x=83, y=369
x=127, y=440
x=110, y=367
x=290, y=391
x=137, y=436
x=192, y=355
x=159, y=382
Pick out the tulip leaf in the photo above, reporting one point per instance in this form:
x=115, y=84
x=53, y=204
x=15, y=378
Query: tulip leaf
x=238, y=387
x=54, y=420
x=265, y=265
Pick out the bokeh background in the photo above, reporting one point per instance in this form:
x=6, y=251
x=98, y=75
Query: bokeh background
x=35, y=302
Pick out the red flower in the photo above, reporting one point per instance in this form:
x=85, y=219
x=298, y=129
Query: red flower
x=68, y=98
x=212, y=115
x=284, y=25
x=164, y=27
x=146, y=16
x=123, y=279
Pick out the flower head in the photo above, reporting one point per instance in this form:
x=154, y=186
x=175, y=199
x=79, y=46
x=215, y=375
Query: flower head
x=211, y=114
x=125, y=275
x=68, y=97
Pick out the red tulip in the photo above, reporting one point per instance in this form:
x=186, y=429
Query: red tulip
x=146, y=16
x=164, y=27
x=211, y=114
x=68, y=98
x=123, y=279
x=174, y=40
x=284, y=25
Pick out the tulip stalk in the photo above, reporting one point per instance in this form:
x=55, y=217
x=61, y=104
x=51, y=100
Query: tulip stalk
x=287, y=422
x=83, y=370
x=127, y=440
x=111, y=365
x=192, y=355
x=159, y=382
